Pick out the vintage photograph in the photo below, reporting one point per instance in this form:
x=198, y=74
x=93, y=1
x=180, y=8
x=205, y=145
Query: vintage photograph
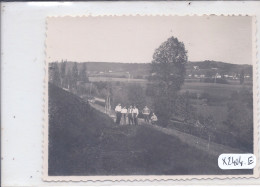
x=148, y=95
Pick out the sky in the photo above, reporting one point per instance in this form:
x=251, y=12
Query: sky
x=133, y=39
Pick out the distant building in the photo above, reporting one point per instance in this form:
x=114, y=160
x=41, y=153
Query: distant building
x=196, y=67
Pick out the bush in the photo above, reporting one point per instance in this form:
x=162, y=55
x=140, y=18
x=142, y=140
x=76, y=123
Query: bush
x=136, y=95
x=183, y=107
x=240, y=119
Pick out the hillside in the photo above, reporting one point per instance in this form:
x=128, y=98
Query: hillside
x=222, y=67
x=143, y=69
x=84, y=141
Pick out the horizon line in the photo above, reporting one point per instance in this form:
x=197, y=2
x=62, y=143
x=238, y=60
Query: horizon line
x=140, y=62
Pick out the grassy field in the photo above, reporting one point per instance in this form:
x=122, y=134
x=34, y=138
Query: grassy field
x=219, y=113
x=83, y=141
x=113, y=79
x=218, y=90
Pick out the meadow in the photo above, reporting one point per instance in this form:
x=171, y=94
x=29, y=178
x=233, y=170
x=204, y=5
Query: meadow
x=216, y=90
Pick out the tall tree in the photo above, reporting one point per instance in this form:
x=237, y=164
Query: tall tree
x=242, y=76
x=63, y=73
x=75, y=75
x=69, y=80
x=56, y=74
x=83, y=74
x=168, y=73
x=136, y=95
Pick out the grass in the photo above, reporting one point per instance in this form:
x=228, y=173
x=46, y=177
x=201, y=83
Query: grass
x=114, y=79
x=218, y=90
x=83, y=141
x=219, y=113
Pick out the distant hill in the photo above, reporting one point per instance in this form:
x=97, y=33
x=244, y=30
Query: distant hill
x=221, y=67
x=143, y=69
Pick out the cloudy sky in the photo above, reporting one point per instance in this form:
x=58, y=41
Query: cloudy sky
x=134, y=39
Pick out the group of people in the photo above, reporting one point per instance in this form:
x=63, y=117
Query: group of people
x=132, y=115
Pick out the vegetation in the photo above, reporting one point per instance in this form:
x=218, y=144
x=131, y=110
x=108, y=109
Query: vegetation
x=69, y=78
x=83, y=141
x=242, y=76
x=183, y=109
x=240, y=117
x=203, y=108
x=83, y=74
x=55, y=75
x=215, y=80
x=168, y=73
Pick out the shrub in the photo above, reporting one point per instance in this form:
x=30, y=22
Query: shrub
x=240, y=119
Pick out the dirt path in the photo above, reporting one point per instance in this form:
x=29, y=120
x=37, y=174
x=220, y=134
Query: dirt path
x=212, y=148
x=194, y=141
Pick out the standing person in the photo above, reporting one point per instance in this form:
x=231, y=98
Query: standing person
x=135, y=115
x=118, y=113
x=130, y=115
x=124, y=113
x=146, y=113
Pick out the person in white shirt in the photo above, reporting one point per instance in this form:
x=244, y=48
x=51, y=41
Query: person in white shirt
x=118, y=113
x=124, y=113
x=135, y=115
x=146, y=113
x=154, y=119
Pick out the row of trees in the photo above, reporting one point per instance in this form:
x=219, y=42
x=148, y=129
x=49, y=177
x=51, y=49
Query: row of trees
x=68, y=77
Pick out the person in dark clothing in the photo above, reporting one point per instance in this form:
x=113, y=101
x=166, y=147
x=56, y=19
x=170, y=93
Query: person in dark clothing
x=135, y=115
x=130, y=115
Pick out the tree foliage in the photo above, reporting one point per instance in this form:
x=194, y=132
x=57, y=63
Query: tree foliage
x=83, y=74
x=63, y=74
x=74, y=76
x=184, y=109
x=56, y=75
x=242, y=76
x=136, y=95
x=168, y=73
x=240, y=117
x=69, y=80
